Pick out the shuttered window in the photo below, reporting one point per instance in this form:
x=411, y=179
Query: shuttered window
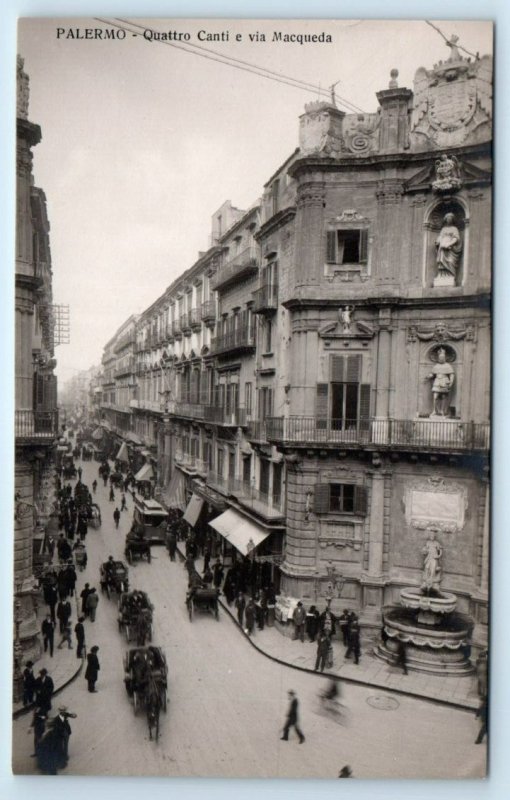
x=342, y=498
x=321, y=405
x=347, y=246
x=345, y=369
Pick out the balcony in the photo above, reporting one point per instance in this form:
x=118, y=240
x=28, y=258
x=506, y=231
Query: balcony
x=221, y=484
x=188, y=410
x=38, y=425
x=256, y=431
x=208, y=312
x=239, y=340
x=418, y=434
x=169, y=333
x=264, y=504
x=150, y=405
x=176, y=329
x=185, y=460
x=125, y=369
x=265, y=299
x=242, y=265
x=185, y=324
x=195, y=319
x=235, y=417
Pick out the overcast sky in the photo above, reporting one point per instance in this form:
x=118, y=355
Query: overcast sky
x=142, y=142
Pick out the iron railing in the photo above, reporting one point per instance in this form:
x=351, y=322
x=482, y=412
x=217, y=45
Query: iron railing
x=225, y=416
x=240, y=265
x=239, y=338
x=208, y=311
x=419, y=433
x=36, y=424
x=265, y=298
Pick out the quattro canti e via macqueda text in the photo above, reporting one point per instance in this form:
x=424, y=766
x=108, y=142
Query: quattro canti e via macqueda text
x=150, y=35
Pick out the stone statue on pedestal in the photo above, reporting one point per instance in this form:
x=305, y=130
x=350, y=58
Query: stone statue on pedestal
x=433, y=552
x=443, y=378
x=449, y=249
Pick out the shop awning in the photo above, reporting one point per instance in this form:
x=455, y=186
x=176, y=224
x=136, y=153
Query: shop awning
x=105, y=424
x=193, y=510
x=122, y=455
x=242, y=533
x=145, y=473
x=98, y=434
x=174, y=495
x=132, y=437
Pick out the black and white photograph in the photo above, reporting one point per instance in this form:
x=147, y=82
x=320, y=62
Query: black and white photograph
x=252, y=417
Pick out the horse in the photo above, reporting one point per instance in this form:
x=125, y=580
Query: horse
x=153, y=706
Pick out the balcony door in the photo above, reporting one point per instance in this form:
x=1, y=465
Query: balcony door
x=344, y=406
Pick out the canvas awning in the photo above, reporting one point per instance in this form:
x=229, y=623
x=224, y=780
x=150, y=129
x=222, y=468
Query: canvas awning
x=122, y=455
x=97, y=434
x=145, y=473
x=132, y=437
x=193, y=510
x=242, y=533
x=174, y=495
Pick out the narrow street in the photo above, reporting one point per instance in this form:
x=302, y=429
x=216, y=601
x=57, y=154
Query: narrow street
x=227, y=702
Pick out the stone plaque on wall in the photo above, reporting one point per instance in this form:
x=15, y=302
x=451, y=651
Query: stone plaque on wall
x=436, y=504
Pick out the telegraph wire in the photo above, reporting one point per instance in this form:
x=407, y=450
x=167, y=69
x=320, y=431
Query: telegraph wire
x=230, y=62
x=449, y=42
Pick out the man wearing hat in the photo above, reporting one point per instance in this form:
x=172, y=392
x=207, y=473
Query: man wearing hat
x=91, y=673
x=292, y=719
x=62, y=732
x=44, y=689
x=28, y=684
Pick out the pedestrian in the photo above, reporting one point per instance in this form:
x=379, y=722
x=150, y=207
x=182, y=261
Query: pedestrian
x=249, y=616
x=328, y=621
x=94, y=486
x=66, y=637
x=91, y=604
x=70, y=574
x=79, y=630
x=105, y=479
x=48, y=632
x=207, y=558
x=112, y=494
x=401, y=655
x=123, y=506
x=63, y=614
x=171, y=542
x=91, y=673
x=299, y=617
x=207, y=577
x=292, y=719
x=312, y=623
x=482, y=714
x=62, y=732
x=323, y=643
x=28, y=684
x=354, y=645
x=50, y=546
x=344, y=622
x=51, y=595
x=217, y=573
x=116, y=517
x=38, y=725
x=44, y=688
x=84, y=594
x=240, y=604
x=80, y=472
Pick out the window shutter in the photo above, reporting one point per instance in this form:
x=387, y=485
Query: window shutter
x=360, y=500
x=353, y=369
x=337, y=368
x=364, y=406
x=363, y=245
x=331, y=247
x=321, y=498
x=321, y=405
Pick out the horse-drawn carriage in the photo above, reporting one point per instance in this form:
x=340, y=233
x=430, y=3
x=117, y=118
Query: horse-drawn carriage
x=68, y=468
x=117, y=480
x=135, y=616
x=113, y=577
x=146, y=680
x=137, y=547
x=201, y=596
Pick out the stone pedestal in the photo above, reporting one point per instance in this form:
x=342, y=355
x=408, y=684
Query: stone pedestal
x=443, y=281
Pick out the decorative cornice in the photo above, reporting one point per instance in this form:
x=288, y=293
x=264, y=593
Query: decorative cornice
x=277, y=221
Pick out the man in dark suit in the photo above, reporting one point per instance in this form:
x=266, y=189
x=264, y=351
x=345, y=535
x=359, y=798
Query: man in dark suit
x=91, y=673
x=43, y=691
x=48, y=632
x=62, y=732
x=79, y=630
x=292, y=719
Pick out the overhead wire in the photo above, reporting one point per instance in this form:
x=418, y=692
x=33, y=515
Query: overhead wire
x=262, y=72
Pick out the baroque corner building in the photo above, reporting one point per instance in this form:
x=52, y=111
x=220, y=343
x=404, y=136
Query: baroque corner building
x=384, y=274
x=36, y=418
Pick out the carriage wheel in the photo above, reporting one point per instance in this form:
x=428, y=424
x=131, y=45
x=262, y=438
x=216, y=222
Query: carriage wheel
x=136, y=701
x=128, y=638
x=190, y=610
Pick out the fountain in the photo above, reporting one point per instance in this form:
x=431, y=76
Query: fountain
x=436, y=637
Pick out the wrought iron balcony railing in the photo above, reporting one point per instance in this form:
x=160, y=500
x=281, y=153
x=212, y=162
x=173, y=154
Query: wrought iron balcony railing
x=36, y=424
x=423, y=433
x=265, y=299
x=239, y=266
x=239, y=339
x=208, y=311
x=235, y=417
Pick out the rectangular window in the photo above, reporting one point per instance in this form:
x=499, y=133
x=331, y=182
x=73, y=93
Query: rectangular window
x=268, y=336
x=264, y=476
x=247, y=470
x=347, y=246
x=340, y=498
x=277, y=484
x=221, y=461
x=248, y=397
x=231, y=464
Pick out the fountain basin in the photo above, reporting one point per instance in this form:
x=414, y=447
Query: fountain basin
x=442, y=604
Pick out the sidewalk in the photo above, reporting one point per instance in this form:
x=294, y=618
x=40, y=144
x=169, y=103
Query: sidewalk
x=459, y=691
x=63, y=667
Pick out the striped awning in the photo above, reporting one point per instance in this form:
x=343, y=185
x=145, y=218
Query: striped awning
x=145, y=473
x=242, y=533
x=193, y=510
x=123, y=455
x=174, y=495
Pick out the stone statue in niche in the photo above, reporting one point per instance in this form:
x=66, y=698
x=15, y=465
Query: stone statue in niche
x=448, y=252
x=433, y=553
x=442, y=376
x=346, y=318
x=447, y=174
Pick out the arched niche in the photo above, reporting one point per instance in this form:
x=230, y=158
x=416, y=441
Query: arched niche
x=438, y=226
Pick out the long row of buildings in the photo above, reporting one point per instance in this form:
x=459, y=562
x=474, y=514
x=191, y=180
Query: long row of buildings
x=316, y=386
